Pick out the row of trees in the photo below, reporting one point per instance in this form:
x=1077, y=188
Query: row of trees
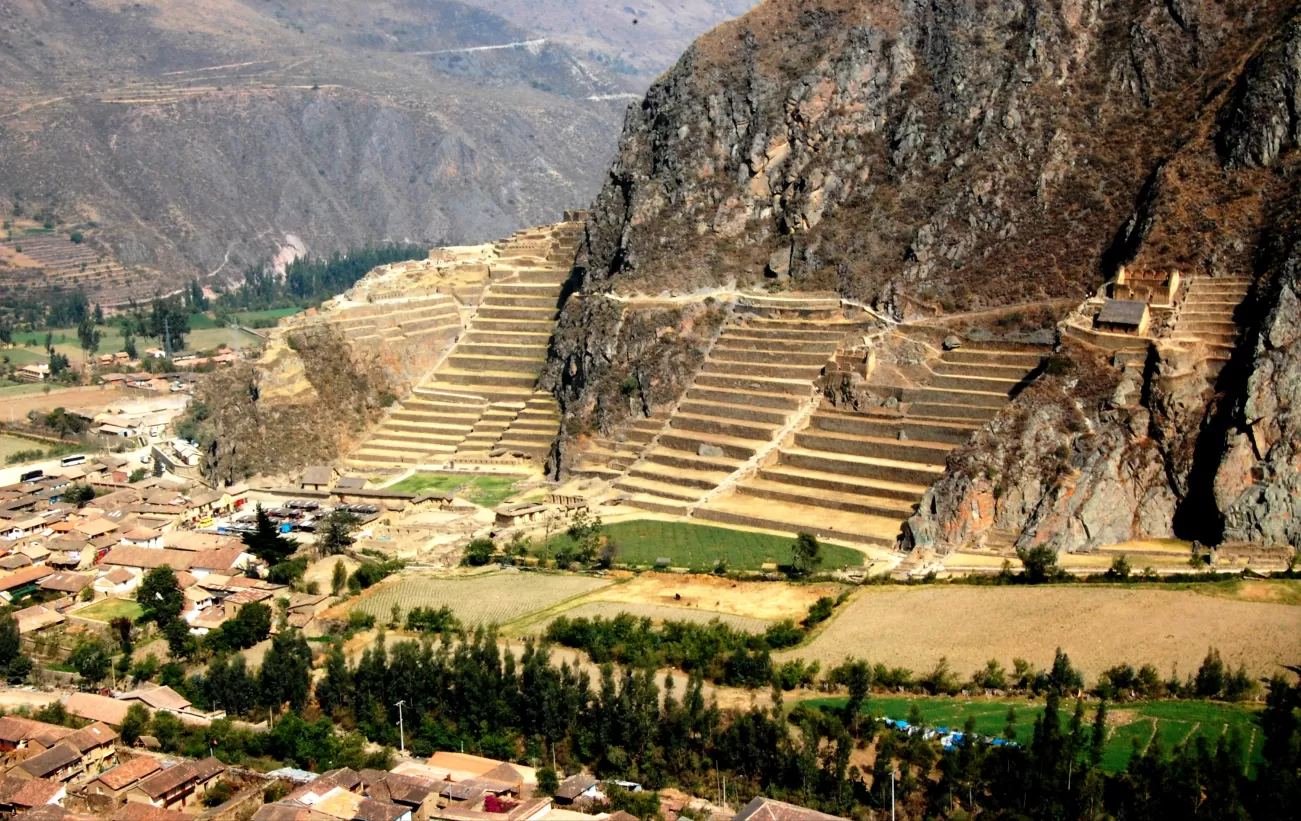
x=308, y=280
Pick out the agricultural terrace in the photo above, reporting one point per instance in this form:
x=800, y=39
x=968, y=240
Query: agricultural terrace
x=205, y=334
x=488, y=491
x=496, y=598
x=1169, y=722
x=699, y=547
x=1098, y=625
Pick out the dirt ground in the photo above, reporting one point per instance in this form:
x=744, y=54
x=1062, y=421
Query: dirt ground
x=755, y=600
x=1098, y=627
x=22, y=404
x=13, y=699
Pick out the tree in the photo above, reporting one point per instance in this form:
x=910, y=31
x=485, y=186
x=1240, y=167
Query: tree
x=479, y=552
x=250, y=625
x=13, y=664
x=135, y=723
x=88, y=336
x=77, y=237
x=129, y=345
x=267, y=542
x=1120, y=568
x=548, y=781
x=137, y=475
x=169, y=322
x=336, y=536
x=338, y=578
x=286, y=671
x=92, y=661
x=1210, y=679
x=1040, y=563
x=806, y=554
x=160, y=598
x=181, y=643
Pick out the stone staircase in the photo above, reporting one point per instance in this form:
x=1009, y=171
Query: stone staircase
x=609, y=457
x=857, y=476
x=756, y=379
x=481, y=399
x=1207, y=316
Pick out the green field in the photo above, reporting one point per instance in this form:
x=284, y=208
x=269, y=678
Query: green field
x=13, y=444
x=249, y=317
x=1172, y=722
x=109, y=609
x=699, y=547
x=488, y=491
x=204, y=335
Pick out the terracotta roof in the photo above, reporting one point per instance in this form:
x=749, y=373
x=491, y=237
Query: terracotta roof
x=766, y=809
x=506, y=773
x=402, y=789
x=67, y=582
x=160, y=697
x=97, y=708
x=10, y=785
x=219, y=558
x=50, y=761
x=24, y=577
x=120, y=575
x=129, y=773
x=159, y=784
x=14, y=561
x=317, y=475
x=95, y=527
x=372, y=810
x=133, y=811
x=88, y=738
x=52, y=812
x=15, y=729
x=37, y=791
x=148, y=557
x=37, y=617
x=279, y=811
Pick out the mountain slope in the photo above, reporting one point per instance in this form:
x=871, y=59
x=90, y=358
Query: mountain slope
x=192, y=137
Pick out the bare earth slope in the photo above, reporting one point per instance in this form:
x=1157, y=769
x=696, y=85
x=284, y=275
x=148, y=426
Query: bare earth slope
x=202, y=135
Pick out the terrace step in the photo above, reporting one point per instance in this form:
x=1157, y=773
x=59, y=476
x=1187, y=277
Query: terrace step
x=732, y=396
x=953, y=433
x=472, y=362
x=722, y=426
x=686, y=477
x=767, y=330
x=532, y=326
x=951, y=411
x=455, y=376
x=866, y=467
x=641, y=485
x=920, y=452
x=690, y=461
x=691, y=442
x=514, y=300
x=986, y=399
x=723, y=351
x=1012, y=372
x=516, y=350
x=974, y=383
x=835, y=500
x=788, y=517
x=657, y=504
x=793, y=387
x=724, y=410
x=840, y=483
x=513, y=313
x=754, y=370
x=975, y=356
x=732, y=341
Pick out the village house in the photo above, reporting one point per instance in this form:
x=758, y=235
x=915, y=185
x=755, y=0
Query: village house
x=97, y=745
x=16, y=731
x=18, y=794
x=766, y=809
x=36, y=618
x=417, y=795
x=575, y=788
x=22, y=582
x=94, y=707
x=177, y=786
x=147, y=812
x=111, y=786
x=317, y=477
x=116, y=582
x=59, y=763
x=142, y=537
x=32, y=373
x=161, y=698
x=66, y=582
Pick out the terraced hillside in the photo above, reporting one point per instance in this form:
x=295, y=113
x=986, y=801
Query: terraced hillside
x=857, y=476
x=51, y=261
x=481, y=399
x=1208, y=316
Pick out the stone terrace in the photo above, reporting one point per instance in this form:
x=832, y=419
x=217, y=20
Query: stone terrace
x=857, y=476
x=1207, y=316
x=481, y=399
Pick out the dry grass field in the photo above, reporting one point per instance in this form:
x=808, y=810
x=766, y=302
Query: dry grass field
x=768, y=601
x=1098, y=626
x=496, y=598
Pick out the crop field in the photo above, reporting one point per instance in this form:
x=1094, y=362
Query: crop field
x=488, y=491
x=1171, y=722
x=204, y=335
x=655, y=612
x=10, y=445
x=1098, y=626
x=109, y=609
x=699, y=547
x=497, y=598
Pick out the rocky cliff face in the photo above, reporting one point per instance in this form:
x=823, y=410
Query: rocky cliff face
x=931, y=159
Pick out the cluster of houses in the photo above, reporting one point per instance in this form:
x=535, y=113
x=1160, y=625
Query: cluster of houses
x=60, y=559
x=56, y=773
x=131, y=376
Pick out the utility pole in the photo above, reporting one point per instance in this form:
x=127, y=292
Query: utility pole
x=167, y=336
x=893, y=775
x=402, y=738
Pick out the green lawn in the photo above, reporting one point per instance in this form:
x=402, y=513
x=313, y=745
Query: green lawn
x=488, y=491
x=109, y=609
x=1170, y=722
x=204, y=335
x=249, y=317
x=699, y=547
x=21, y=388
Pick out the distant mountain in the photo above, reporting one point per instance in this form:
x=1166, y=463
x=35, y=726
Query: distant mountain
x=193, y=137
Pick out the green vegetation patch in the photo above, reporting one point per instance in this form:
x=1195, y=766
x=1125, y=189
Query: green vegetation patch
x=109, y=609
x=1170, y=722
x=488, y=491
x=497, y=598
x=700, y=547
